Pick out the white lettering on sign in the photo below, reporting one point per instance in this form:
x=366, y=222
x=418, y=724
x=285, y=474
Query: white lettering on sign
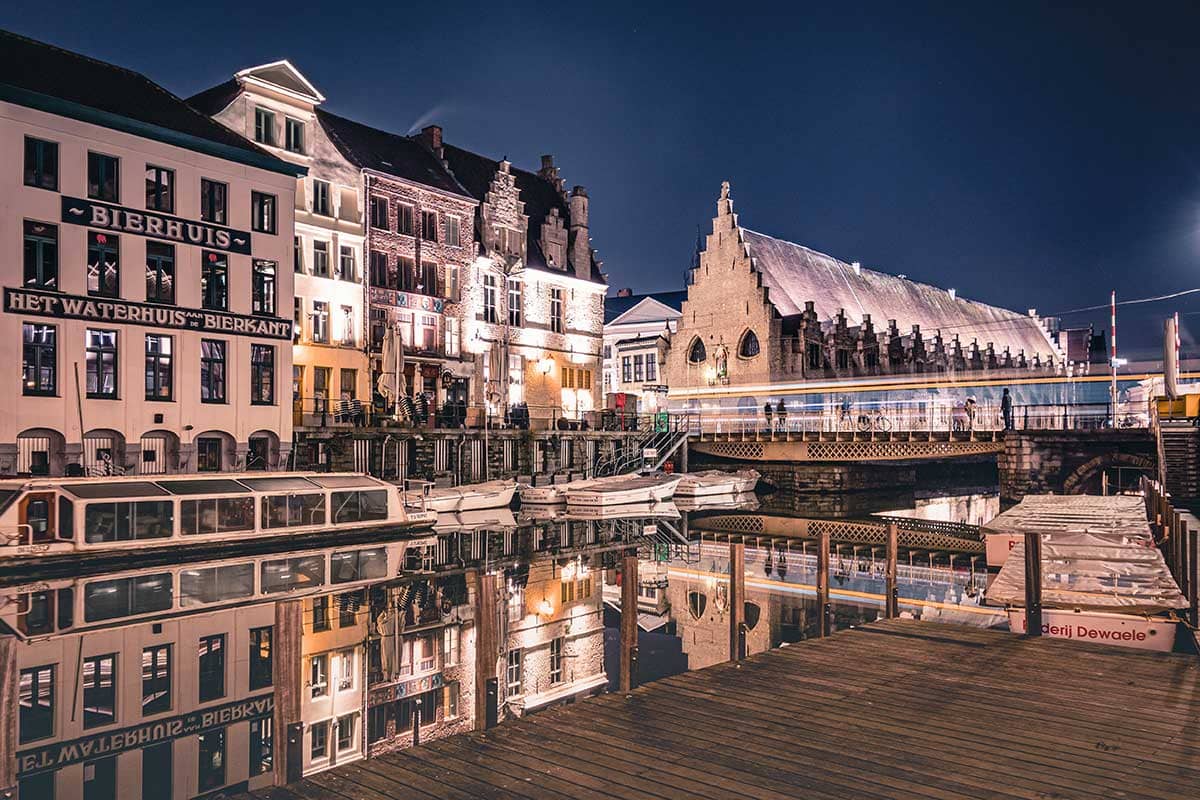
x=78, y=211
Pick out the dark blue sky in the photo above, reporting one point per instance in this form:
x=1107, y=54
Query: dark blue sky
x=1026, y=156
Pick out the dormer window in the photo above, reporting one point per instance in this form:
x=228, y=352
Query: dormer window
x=293, y=135
x=264, y=126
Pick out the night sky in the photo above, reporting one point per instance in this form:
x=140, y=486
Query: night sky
x=1028, y=157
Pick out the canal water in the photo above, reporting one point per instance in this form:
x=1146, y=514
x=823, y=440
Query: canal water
x=188, y=679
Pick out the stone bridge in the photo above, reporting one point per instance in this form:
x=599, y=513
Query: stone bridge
x=1072, y=462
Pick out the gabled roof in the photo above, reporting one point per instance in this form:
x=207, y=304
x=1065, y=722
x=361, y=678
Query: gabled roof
x=795, y=274
x=283, y=75
x=371, y=148
x=615, y=307
x=58, y=81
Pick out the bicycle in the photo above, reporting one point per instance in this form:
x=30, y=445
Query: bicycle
x=876, y=422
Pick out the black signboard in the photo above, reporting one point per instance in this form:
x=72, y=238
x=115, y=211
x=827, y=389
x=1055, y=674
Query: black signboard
x=106, y=216
x=60, y=754
x=93, y=309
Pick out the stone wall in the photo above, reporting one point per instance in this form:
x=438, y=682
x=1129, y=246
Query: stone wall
x=1069, y=462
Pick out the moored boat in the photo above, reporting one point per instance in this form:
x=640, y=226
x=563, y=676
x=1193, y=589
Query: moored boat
x=745, y=501
x=652, y=488
x=717, y=482
x=556, y=494
x=468, y=497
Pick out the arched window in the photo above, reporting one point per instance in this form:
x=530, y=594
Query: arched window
x=697, y=353
x=748, y=347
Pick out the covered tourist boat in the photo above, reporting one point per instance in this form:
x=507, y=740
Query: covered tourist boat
x=1103, y=580
x=630, y=490
x=468, y=497
x=50, y=516
x=717, y=482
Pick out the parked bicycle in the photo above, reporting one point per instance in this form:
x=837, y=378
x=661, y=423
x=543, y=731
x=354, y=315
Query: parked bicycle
x=874, y=422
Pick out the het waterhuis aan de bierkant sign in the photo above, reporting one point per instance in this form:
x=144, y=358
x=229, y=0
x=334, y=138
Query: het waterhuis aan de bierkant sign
x=93, y=309
x=60, y=754
x=105, y=216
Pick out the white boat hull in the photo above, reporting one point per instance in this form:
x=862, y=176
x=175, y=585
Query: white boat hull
x=633, y=491
x=1099, y=627
x=716, y=482
x=472, y=497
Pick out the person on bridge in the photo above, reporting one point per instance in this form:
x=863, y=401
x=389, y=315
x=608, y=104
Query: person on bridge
x=1006, y=410
x=781, y=412
x=970, y=409
x=844, y=415
x=767, y=413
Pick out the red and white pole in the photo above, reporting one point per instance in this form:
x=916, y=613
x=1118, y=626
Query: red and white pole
x=1113, y=327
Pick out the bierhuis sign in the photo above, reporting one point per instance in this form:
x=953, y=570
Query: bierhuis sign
x=93, y=309
x=104, y=216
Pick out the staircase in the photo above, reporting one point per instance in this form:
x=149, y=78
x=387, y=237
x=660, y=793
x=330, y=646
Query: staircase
x=666, y=439
x=1179, y=454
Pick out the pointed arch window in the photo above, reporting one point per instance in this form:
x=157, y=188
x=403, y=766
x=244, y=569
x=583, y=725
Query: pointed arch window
x=697, y=353
x=748, y=346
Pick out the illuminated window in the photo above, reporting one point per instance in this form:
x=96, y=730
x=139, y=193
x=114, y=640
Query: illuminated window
x=697, y=353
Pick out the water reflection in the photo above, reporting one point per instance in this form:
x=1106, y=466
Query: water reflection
x=194, y=678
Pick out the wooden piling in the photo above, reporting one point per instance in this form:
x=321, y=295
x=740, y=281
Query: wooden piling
x=1193, y=595
x=487, y=650
x=287, y=675
x=891, y=601
x=823, y=609
x=737, y=601
x=1033, y=584
x=629, y=614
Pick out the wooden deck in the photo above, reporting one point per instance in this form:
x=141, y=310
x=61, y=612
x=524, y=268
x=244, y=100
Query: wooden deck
x=897, y=709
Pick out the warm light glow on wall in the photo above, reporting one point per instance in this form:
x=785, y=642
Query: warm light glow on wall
x=545, y=366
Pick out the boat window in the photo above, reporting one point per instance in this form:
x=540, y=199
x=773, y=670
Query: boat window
x=288, y=511
x=345, y=481
x=359, y=506
x=288, y=574
x=35, y=613
x=287, y=483
x=219, y=515
x=66, y=519
x=358, y=565
x=204, y=486
x=215, y=584
x=118, y=522
x=37, y=517
x=127, y=597
x=66, y=608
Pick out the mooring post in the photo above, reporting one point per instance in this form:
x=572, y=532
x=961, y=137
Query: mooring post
x=629, y=615
x=1185, y=560
x=1033, y=584
x=487, y=649
x=1193, y=595
x=823, y=610
x=737, y=601
x=891, y=600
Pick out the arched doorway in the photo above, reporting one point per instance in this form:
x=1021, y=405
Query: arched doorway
x=262, y=452
x=160, y=453
x=41, y=451
x=103, y=453
x=1122, y=470
x=215, y=451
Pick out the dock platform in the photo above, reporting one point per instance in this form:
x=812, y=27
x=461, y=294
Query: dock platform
x=895, y=709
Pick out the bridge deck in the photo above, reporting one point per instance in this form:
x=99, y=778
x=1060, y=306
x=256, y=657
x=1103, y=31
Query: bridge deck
x=895, y=709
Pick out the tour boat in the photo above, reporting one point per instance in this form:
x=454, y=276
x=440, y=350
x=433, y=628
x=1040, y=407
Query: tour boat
x=53, y=516
x=630, y=490
x=717, y=482
x=468, y=497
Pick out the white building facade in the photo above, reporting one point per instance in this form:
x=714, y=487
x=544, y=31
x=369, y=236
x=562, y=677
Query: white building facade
x=637, y=330
x=145, y=326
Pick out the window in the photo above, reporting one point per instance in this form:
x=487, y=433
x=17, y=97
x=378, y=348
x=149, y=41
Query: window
x=214, y=281
x=262, y=745
x=297, y=254
x=260, y=657
x=450, y=646
x=451, y=692
x=41, y=164
x=157, y=769
x=320, y=609
x=319, y=674
x=214, y=201
x=364, y=506
x=379, y=270
x=160, y=272
x=626, y=369
x=556, y=659
x=429, y=230
x=40, y=360
x=813, y=355
x=160, y=368
x=452, y=282
x=290, y=511
x=262, y=374
x=345, y=732
x=264, y=126
x=321, y=389
x=127, y=597
x=293, y=135
x=156, y=679
x=406, y=269
x=289, y=574
x=379, y=213
x=103, y=266
x=100, y=779
x=36, y=717
x=218, y=515
x=262, y=212
x=41, y=255
x=209, y=454
x=99, y=690
x=160, y=189
x=320, y=200
x=320, y=322
x=210, y=759
x=452, y=336
x=512, y=675
x=556, y=310
x=115, y=522
x=103, y=178
x=651, y=367
x=349, y=604
x=101, y=348
x=320, y=264
x=319, y=745
x=347, y=270
x=639, y=372
x=453, y=238
x=404, y=219
x=842, y=357
x=262, y=287
x=429, y=278
x=348, y=332
x=696, y=353
x=344, y=662
x=514, y=303
x=212, y=667
x=748, y=347
x=212, y=371
x=489, y=299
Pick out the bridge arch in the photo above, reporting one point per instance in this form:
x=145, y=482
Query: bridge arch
x=1084, y=476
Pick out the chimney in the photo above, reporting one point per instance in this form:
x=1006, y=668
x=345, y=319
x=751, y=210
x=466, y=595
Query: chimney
x=953, y=294
x=625, y=292
x=549, y=172
x=581, y=246
x=431, y=136
x=857, y=267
